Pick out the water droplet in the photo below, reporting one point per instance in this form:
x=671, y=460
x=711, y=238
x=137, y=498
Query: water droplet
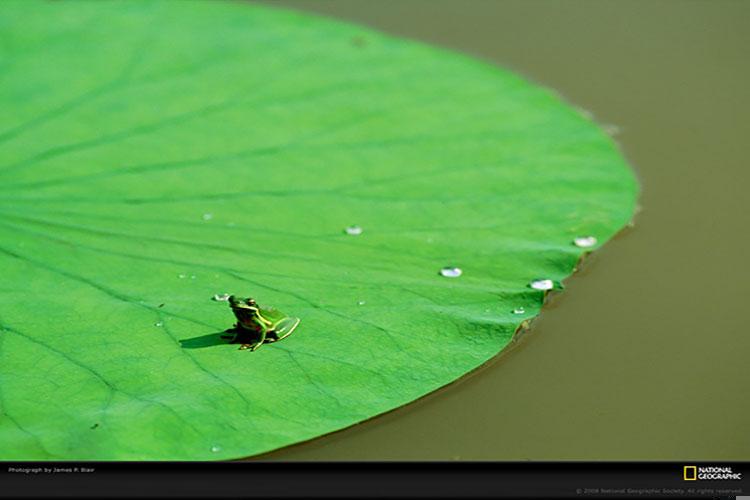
x=542, y=284
x=182, y=276
x=220, y=297
x=192, y=276
x=360, y=302
x=208, y=216
x=216, y=449
x=159, y=323
x=451, y=272
x=353, y=230
x=585, y=241
x=519, y=310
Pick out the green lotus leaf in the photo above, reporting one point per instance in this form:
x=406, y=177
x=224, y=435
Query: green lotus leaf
x=154, y=154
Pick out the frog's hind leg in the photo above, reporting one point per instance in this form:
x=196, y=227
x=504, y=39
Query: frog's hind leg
x=255, y=345
x=285, y=327
x=271, y=336
x=251, y=347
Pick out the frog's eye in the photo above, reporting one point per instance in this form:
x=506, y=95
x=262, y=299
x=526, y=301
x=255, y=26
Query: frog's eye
x=250, y=302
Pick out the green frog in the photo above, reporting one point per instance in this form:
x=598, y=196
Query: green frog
x=258, y=325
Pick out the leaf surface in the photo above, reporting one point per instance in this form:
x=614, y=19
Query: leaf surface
x=155, y=154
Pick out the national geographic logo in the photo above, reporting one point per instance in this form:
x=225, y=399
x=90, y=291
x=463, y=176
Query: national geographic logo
x=695, y=473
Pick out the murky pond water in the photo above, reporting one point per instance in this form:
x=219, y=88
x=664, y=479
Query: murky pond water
x=645, y=355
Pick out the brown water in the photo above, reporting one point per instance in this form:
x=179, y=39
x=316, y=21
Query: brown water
x=645, y=355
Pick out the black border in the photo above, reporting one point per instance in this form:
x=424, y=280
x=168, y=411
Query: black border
x=265, y=479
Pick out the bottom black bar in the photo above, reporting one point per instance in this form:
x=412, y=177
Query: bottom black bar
x=375, y=479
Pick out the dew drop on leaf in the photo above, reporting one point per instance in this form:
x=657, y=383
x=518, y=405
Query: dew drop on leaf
x=451, y=272
x=208, y=216
x=159, y=323
x=353, y=230
x=585, y=241
x=544, y=284
x=519, y=310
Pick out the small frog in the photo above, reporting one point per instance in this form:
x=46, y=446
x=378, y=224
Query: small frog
x=256, y=325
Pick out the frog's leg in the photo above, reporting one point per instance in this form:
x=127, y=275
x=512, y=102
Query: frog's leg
x=285, y=327
x=262, y=339
x=255, y=346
